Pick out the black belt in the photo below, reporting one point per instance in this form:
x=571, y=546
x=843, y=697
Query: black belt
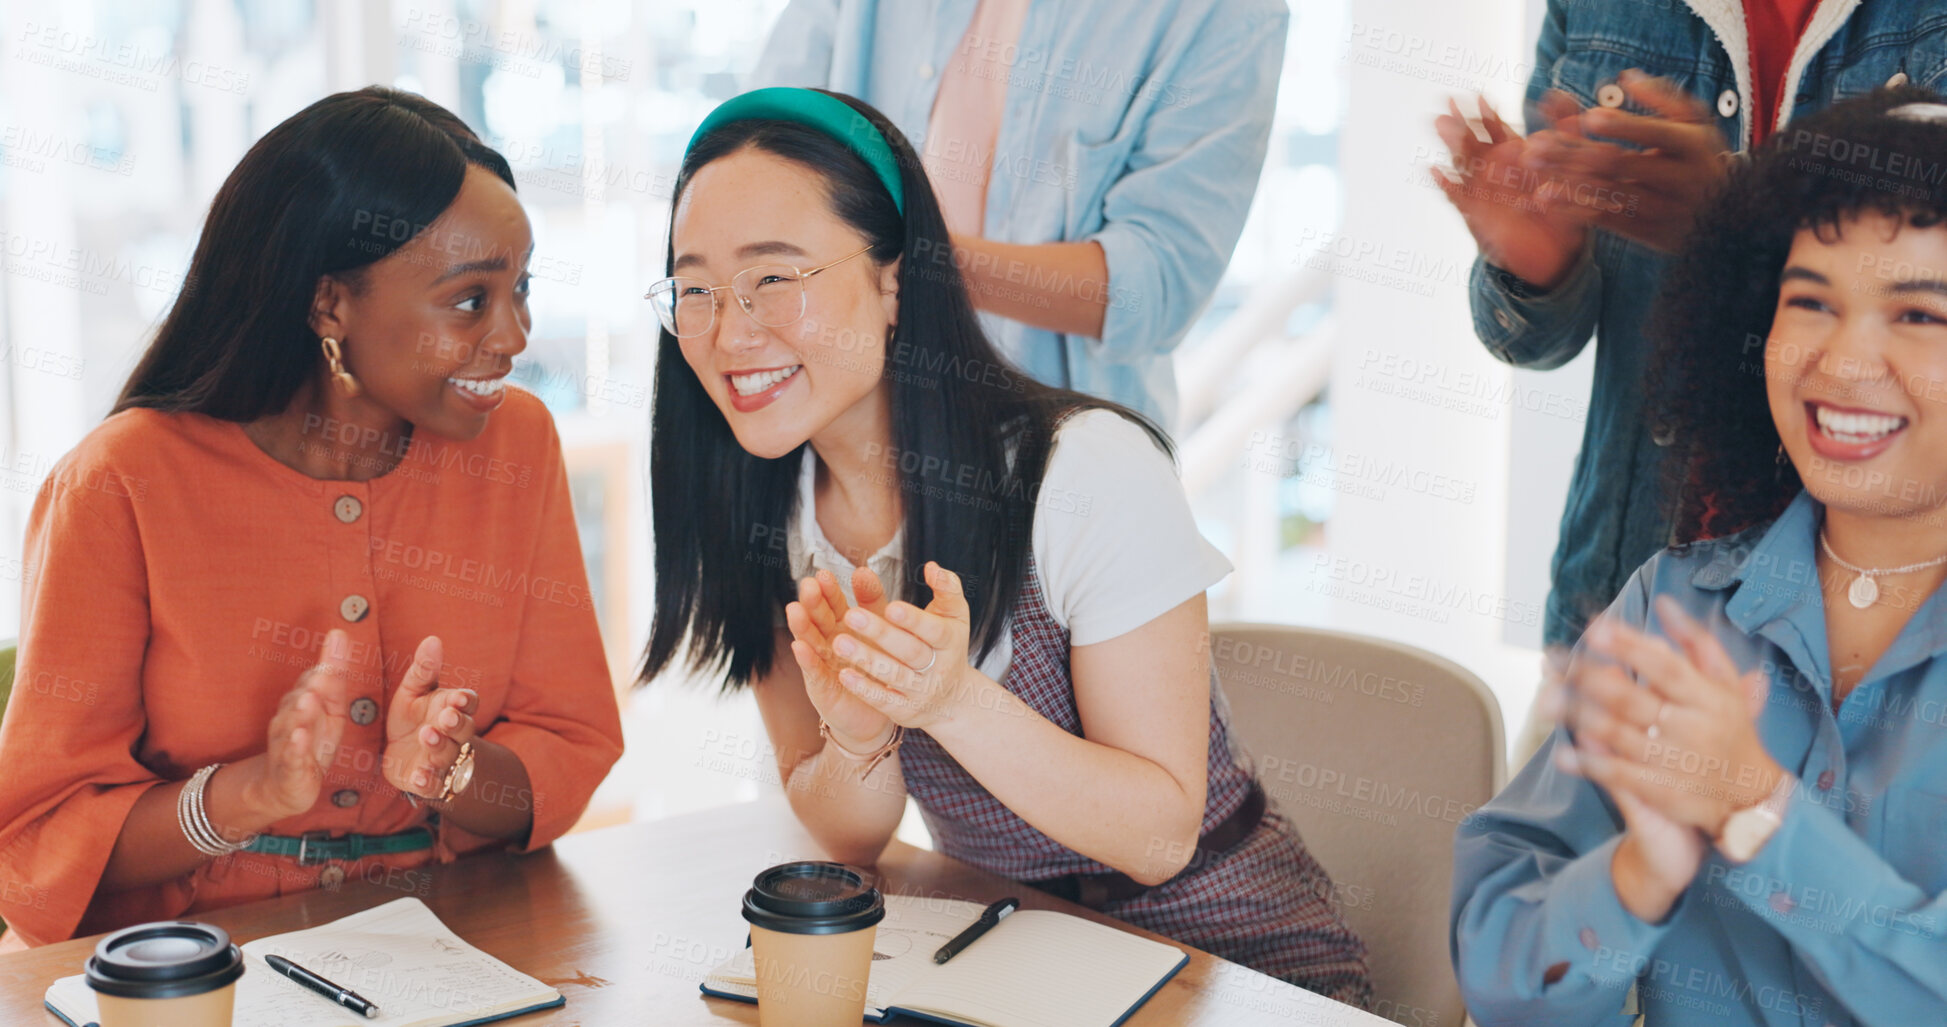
x=1098, y=890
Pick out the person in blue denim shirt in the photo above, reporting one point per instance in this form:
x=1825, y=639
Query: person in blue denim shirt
x=1743, y=817
x=1127, y=149
x=1574, y=231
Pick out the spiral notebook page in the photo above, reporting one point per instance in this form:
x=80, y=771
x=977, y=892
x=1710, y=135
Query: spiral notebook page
x=1044, y=969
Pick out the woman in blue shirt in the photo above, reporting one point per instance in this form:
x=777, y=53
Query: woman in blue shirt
x=1743, y=818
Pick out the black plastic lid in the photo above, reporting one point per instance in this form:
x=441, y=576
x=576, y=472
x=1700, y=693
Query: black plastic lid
x=164, y=960
x=810, y=897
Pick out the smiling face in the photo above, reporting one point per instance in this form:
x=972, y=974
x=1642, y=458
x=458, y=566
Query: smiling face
x=431, y=330
x=1856, y=366
x=779, y=386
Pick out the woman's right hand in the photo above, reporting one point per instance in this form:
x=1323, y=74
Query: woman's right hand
x=1659, y=855
x=815, y=620
x=1658, y=858
x=304, y=734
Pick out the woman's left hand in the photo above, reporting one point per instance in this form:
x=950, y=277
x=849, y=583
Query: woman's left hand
x=910, y=664
x=426, y=725
x=1687, y=746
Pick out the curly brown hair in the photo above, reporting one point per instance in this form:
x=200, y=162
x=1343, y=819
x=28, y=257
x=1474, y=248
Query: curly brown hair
x=1714, y=311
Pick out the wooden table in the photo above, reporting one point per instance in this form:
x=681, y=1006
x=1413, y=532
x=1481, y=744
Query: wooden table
x=626, y=920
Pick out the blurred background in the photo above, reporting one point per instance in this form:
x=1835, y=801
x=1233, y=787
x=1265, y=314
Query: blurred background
x=1344, y=437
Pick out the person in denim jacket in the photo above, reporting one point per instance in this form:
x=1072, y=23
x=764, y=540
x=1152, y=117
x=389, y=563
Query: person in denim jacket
x=1575, y=227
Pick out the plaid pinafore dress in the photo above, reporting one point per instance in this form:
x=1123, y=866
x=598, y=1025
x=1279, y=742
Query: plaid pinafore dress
x=1266, y=903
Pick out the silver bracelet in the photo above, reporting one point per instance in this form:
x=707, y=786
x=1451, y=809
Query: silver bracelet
x=203, y=818
x=192, y=819
x=195, y=820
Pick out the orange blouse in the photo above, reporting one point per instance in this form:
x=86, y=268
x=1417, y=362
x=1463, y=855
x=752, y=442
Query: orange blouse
x=177, y=581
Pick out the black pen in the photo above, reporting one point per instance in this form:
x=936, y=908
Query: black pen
x=988, y=918
x=344, y=997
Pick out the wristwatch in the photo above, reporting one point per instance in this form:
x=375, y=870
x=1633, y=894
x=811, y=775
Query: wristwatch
x=458, y=776
x=1746, y=830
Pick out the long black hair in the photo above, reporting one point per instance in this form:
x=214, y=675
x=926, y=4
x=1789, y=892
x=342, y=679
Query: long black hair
x=721, y=515
x=1719, y=296
x=337, y=186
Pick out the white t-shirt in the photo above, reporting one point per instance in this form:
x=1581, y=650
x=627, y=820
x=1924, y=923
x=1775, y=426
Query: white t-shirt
x=1114, y=543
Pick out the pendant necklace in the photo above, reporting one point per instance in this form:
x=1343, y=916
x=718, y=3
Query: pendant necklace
x=1864, y=591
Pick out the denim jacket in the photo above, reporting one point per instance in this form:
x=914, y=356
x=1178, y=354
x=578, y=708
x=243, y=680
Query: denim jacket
x=1617, y=515
x=1141, y=127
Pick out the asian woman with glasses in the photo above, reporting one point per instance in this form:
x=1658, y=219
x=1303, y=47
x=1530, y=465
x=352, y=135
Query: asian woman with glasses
x=940, y=578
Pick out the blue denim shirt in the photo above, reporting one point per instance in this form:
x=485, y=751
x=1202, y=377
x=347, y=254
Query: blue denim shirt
x=1617, y=515
x=1842, y=916
x=1139, y=126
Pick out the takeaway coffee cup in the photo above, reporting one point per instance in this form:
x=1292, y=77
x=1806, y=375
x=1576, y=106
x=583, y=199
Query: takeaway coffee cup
x=169, y=974
x=811, y=930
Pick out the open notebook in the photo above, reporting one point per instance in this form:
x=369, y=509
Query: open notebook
x=1033, y=969
x=399, y=956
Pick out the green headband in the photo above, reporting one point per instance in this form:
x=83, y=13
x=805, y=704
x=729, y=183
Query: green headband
x=822, y=111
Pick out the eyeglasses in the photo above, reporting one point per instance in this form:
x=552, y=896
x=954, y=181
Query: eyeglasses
x=772, y=294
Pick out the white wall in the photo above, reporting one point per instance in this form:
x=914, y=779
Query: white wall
x=1412, y=385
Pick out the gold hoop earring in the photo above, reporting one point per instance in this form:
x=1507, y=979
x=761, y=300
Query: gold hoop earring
x=335, y=360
